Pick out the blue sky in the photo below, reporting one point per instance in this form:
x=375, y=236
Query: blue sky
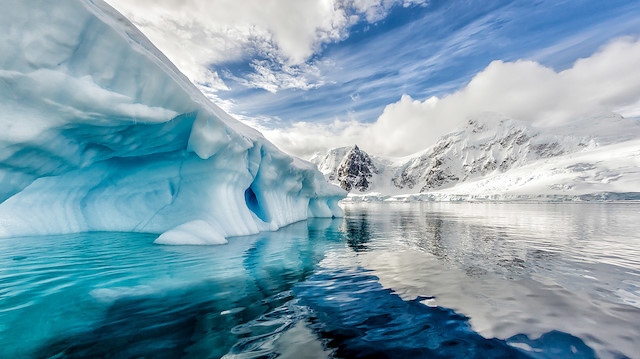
x=432, y=50
x=315, y=74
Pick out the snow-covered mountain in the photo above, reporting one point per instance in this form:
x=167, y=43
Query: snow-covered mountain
x=493, y=157
x=99, y=131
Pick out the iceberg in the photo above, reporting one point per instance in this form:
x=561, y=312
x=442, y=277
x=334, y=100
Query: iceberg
x=99, y=131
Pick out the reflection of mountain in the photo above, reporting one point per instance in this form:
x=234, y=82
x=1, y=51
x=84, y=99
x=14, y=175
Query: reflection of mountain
x=510, y=239
x=496, y=158
x=358, y=232
x=516, y=268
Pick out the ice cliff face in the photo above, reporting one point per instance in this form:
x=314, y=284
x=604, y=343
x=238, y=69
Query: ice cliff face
x=100, y=132
x=495, y=157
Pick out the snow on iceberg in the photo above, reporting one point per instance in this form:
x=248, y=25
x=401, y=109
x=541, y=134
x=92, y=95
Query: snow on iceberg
x=100, y=132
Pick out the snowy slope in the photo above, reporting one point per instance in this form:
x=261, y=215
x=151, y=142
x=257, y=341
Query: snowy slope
x=100, y=132
x=608, y=172
x=492, y=157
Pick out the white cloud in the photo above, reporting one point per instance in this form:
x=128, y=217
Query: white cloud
x=276, y=77
x=196, y=34
x=608, y=80
x=375, y=10
x=306, y=138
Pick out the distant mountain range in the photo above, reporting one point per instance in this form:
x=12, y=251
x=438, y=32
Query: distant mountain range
x=496, y=158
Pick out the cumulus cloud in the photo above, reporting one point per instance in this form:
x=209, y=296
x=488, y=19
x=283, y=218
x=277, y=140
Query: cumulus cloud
x=198, y=34
x=608, y=80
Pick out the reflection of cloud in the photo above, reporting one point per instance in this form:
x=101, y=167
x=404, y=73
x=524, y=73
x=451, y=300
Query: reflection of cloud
x=514, y=267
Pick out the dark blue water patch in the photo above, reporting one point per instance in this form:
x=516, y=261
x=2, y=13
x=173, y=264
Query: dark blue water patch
x=359, y=318
x=555, y=344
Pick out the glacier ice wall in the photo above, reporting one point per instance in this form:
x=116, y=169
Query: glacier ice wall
x=100, y=132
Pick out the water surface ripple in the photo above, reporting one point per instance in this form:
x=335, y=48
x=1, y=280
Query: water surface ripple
x=436, y=280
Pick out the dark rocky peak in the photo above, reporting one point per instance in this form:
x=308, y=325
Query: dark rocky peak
x=356, y=170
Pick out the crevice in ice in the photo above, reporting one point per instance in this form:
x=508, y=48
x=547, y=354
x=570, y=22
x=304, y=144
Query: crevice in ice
x=254, y=204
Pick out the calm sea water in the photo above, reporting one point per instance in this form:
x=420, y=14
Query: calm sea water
x=435, y=280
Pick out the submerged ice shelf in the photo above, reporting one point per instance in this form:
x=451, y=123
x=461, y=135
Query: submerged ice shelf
x=100, y=132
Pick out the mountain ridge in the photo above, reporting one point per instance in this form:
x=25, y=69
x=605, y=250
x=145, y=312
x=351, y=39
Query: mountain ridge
x=490, y=148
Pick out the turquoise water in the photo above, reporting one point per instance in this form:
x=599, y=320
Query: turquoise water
x=389, y=280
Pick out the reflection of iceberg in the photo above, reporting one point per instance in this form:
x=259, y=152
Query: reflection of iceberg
x=100, y=132
x=201, y=301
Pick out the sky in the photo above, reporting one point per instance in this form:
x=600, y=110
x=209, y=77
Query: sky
x=395, y=75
